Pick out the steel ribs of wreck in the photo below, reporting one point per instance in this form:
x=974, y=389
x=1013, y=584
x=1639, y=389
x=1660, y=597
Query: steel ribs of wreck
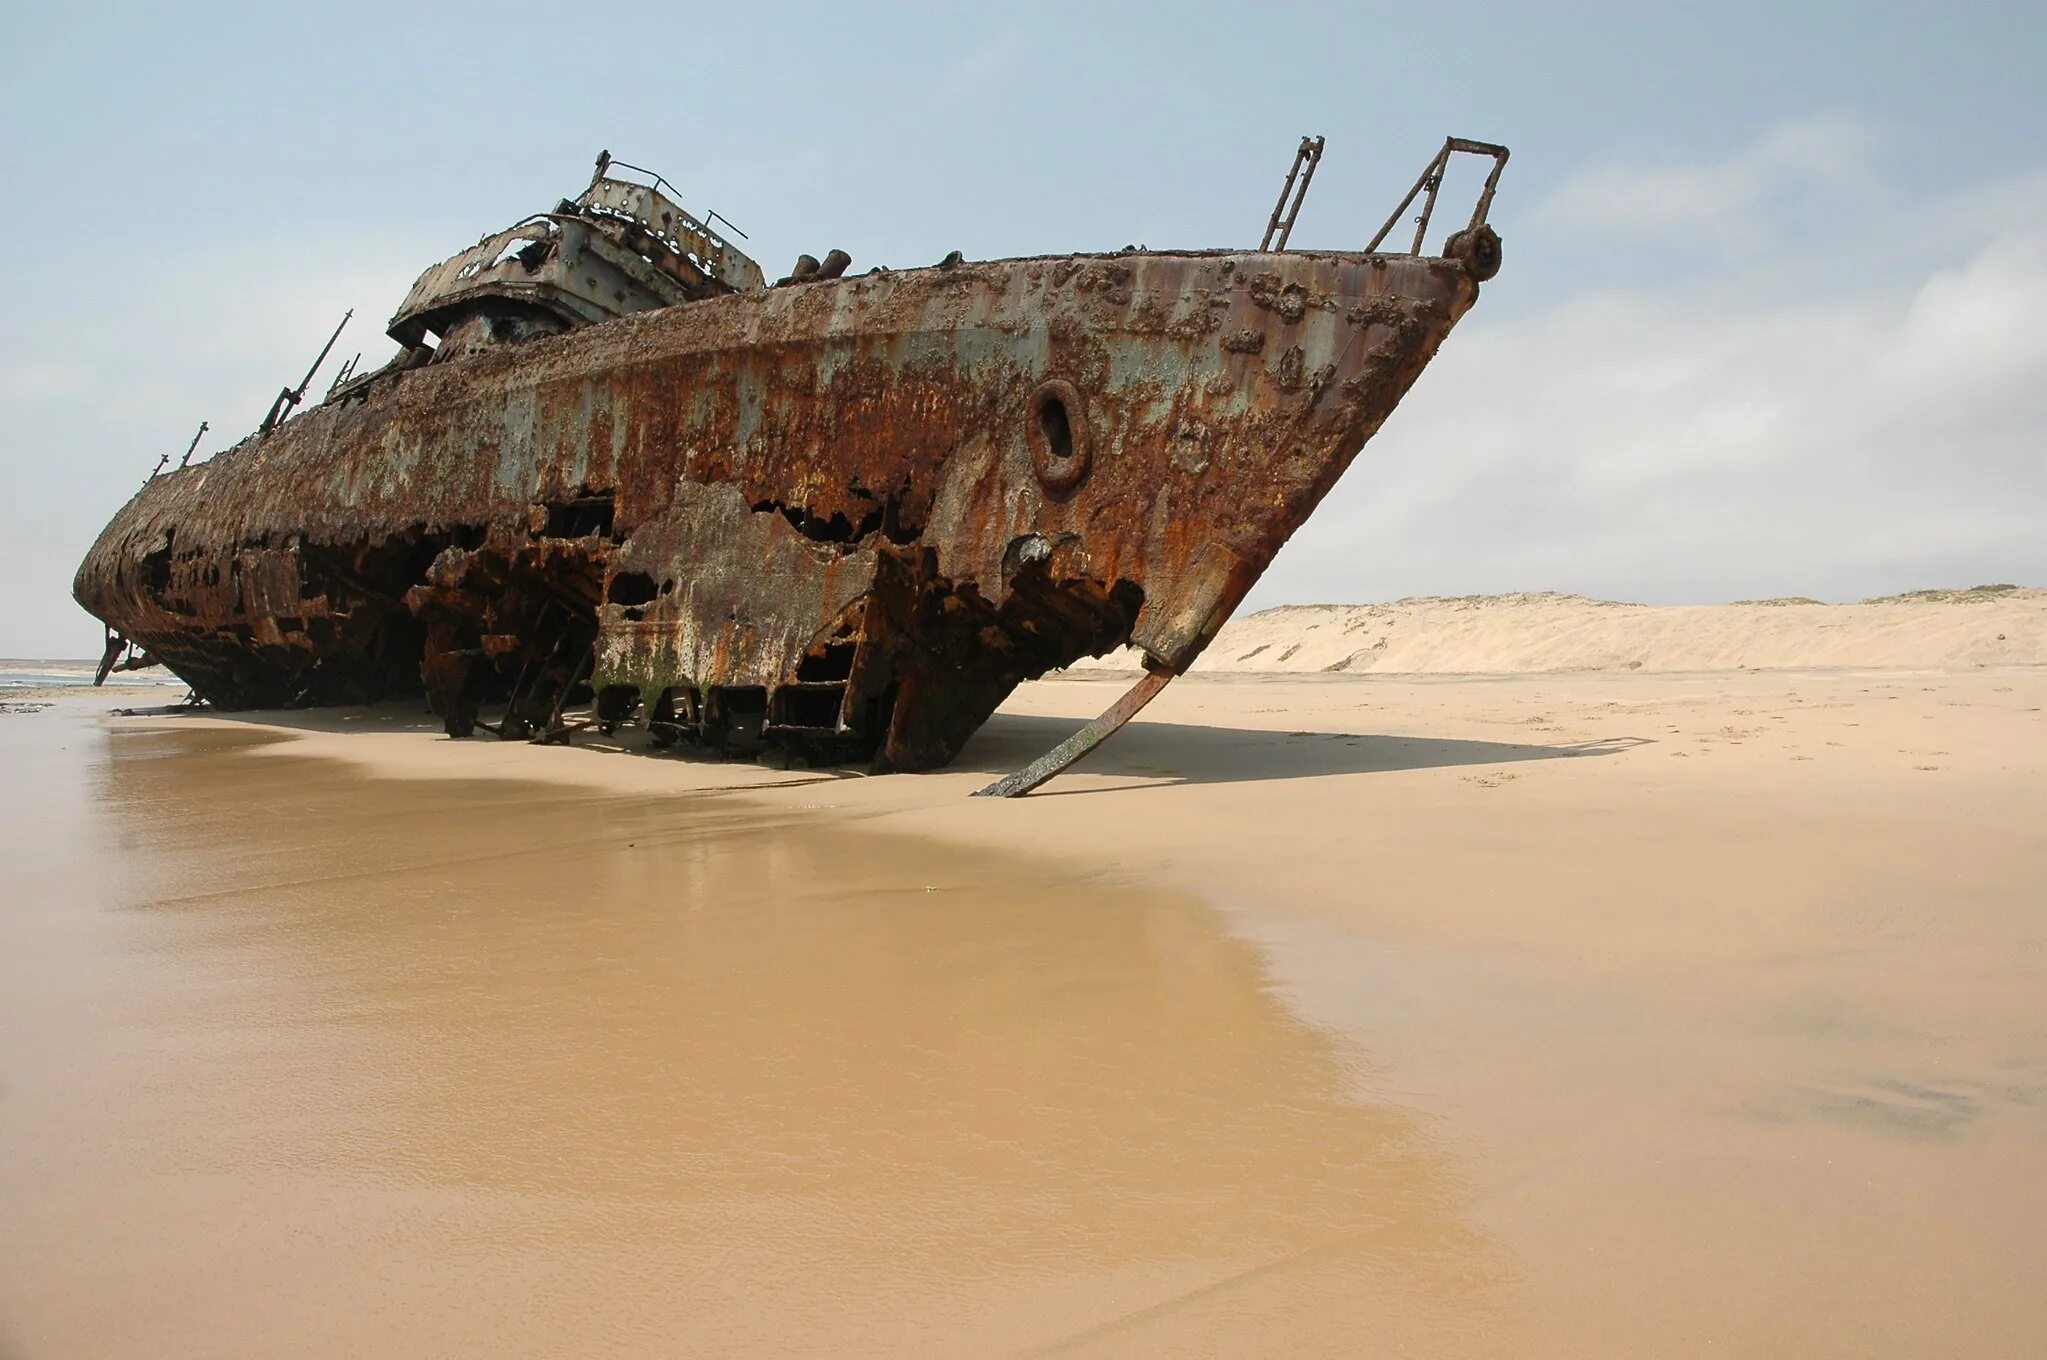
x=842, y=515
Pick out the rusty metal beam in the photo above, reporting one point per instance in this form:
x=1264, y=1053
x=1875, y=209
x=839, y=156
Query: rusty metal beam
x=1431, y=179
x=290, y=397
x=1068, y=752
x=1281, y=224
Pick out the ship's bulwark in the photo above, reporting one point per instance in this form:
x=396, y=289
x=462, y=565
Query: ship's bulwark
x=850, y=514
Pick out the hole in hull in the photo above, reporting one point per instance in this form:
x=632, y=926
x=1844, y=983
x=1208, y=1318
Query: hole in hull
x=579, y=517
x=1057, y=426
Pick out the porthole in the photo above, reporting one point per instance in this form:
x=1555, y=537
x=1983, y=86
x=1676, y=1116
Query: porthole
x=1056, y=428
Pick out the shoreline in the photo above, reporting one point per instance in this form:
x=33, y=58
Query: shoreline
x=1267, y=794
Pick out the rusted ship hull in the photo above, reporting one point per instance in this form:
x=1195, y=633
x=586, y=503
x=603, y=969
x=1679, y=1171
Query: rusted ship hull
x=846, y=516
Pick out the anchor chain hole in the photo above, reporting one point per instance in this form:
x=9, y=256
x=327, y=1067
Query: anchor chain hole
x=1056, y=428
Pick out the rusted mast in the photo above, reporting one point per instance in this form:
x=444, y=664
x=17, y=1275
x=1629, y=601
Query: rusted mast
x=194, y=444
x=292, y=396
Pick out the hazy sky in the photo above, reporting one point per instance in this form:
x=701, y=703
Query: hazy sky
x=1773, y=317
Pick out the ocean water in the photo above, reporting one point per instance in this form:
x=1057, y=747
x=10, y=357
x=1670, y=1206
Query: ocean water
x=66, y=675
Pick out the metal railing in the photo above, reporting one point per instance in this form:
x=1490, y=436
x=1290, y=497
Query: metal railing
x=1431, y=182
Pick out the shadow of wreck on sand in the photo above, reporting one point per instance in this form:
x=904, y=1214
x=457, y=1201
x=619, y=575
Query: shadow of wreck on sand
x=1162, y=753
x=1150, y=754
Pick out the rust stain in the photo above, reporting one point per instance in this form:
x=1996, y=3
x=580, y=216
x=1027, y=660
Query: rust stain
x=842, y=515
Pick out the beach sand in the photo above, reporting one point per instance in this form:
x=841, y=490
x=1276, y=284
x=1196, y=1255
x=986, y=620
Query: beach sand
x=1996, y=625
x=1618, y=1012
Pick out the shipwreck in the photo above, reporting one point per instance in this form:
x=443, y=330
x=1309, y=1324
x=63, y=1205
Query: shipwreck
x=616, y=475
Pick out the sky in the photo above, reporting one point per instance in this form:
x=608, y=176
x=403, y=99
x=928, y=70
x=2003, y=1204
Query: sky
x=1772, y=319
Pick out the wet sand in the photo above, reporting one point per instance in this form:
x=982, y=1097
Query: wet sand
x=1554, y=1015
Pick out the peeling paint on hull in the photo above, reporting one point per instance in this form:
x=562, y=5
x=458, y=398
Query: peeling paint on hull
x=845, y=517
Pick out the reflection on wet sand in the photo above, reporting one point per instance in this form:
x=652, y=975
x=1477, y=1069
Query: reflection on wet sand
x=332, y=1064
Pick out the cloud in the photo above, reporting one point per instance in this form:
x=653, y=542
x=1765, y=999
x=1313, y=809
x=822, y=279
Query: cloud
x=986, y=62
x=1691, y=441
x=30, y=382
x=1726, y=201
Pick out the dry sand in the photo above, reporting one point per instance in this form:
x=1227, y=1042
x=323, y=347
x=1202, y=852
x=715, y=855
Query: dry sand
x=1515, y=634
x=1615, y=1013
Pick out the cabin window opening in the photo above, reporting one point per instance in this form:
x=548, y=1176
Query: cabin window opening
x=527, y=250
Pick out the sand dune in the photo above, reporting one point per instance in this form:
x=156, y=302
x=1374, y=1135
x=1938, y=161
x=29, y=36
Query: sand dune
x=1497, y=634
